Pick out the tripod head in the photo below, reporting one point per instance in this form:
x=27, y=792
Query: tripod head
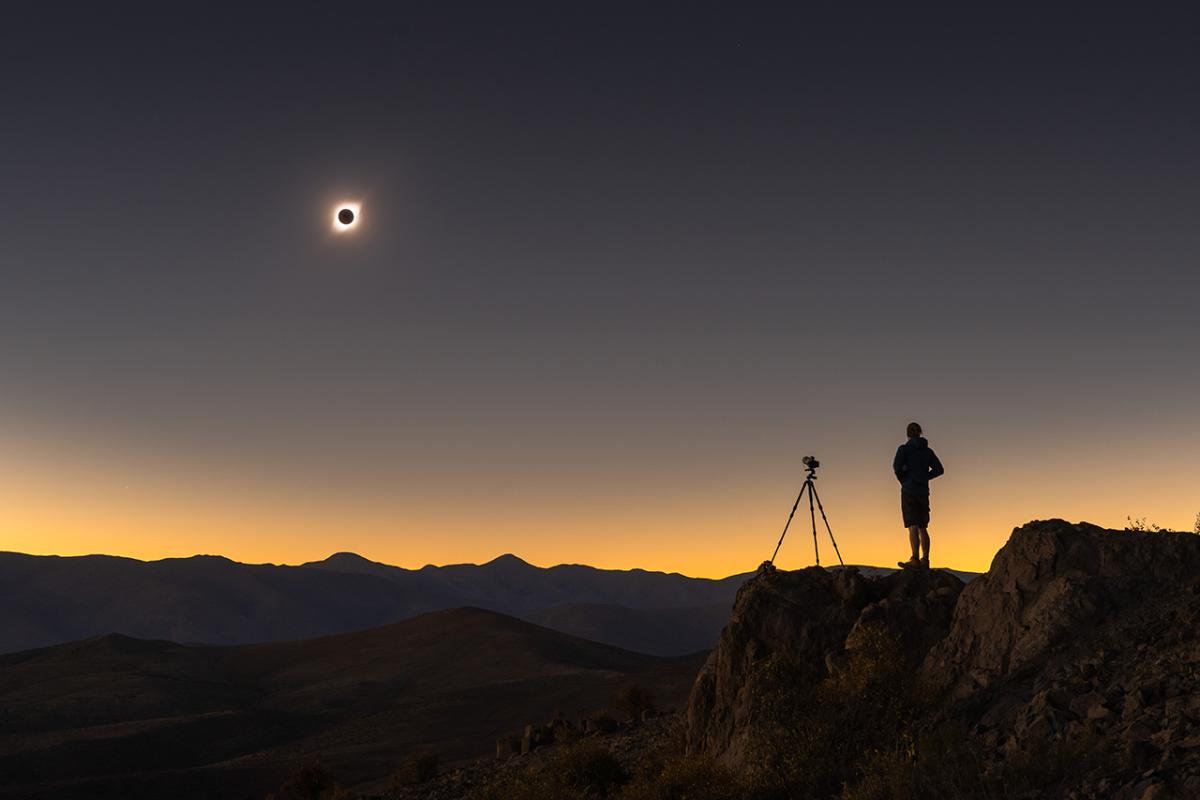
x=810, y=466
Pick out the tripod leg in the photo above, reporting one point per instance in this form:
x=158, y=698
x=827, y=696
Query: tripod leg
x=813, y=492
x=795, y=505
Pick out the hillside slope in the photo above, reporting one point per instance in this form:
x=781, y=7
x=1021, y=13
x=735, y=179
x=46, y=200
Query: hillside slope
x=115, y=716
x=657, y=631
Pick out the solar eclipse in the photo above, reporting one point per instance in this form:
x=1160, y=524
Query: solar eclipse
x=346, y=217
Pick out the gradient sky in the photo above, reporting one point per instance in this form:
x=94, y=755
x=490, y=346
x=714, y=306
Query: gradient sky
x=619, y=269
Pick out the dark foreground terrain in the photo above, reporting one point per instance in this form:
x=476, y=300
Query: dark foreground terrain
x=1071, y=669
x=125, y=718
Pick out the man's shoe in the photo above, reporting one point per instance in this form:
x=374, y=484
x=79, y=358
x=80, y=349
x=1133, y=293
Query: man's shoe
x=925, y=563
x=912, y=563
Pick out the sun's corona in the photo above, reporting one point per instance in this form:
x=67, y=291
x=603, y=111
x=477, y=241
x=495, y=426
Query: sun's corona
x=346, y=216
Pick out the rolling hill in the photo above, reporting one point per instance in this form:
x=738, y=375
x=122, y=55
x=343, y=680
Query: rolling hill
x=114, y=716
x=657, y=631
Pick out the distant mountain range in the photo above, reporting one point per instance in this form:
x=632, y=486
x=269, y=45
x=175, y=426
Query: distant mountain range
x=47, y=600
x=114, y=716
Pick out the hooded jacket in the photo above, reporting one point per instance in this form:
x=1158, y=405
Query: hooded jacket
x=916, y=465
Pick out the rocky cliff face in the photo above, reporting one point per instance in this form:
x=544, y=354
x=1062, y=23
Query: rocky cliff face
x=812, y=616
x=1088, y=638
x=1054, y=582
x=1078, y=640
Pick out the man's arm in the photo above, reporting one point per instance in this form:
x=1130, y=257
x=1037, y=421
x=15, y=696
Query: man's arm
x=898, y=464
x=935, y=466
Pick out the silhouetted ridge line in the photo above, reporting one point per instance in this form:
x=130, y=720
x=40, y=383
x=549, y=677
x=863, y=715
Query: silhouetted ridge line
x=46, y=600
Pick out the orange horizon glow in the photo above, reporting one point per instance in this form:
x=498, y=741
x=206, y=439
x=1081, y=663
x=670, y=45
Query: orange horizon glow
x=66, y=503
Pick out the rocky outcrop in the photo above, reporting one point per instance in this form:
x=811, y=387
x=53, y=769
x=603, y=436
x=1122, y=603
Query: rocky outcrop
x=1079, y=644
x=812, y=616
x=1086, y=639
x=1054, y=582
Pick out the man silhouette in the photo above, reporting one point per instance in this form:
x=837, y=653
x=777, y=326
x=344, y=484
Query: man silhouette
x=915, y=466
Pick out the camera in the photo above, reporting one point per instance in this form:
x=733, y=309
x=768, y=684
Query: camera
x=810, y=462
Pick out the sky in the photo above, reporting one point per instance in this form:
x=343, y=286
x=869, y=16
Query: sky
x=619, y=267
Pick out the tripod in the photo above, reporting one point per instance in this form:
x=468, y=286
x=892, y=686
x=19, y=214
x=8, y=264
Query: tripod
x=812, y=495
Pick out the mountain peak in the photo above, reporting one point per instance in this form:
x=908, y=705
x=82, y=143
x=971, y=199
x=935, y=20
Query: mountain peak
x=353, y=563
x=198, y=558
x=346, y=557
x=508, y=560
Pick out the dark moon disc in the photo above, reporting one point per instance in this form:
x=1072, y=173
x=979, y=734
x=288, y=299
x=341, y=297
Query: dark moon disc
x=345, y=216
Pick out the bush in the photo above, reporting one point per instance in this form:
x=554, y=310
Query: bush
x=589, y=765
x=308, y=781
x=579, y=771
x=1140, y=525
x=684, y=778
x=946, y=764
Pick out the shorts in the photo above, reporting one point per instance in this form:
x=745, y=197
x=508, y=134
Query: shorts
x=915, y=509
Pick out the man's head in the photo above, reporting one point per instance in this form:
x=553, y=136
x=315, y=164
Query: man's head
x=914, y=430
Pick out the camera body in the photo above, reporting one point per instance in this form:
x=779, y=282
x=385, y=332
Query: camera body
x=810, y=463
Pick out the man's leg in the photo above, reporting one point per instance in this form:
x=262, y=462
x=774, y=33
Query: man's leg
x=914, y=538
x=924, y=544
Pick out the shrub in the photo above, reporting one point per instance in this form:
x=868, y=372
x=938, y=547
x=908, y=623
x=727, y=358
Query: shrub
x=1140, y=525
x=944, y=763
x=308, y=781
x=578, y=771
x=684, y=778
x=932, y=765
x=588, y=765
